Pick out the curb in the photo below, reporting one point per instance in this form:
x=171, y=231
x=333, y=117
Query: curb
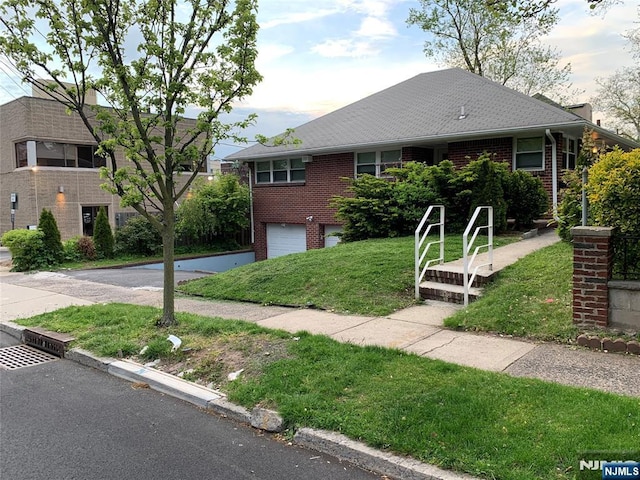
x=363, y=456
x=330, y=443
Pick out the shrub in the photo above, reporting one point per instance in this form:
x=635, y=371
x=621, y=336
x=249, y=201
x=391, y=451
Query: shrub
x=52, y=243
x=527, y=200
x=86, y=248
x=570, y=206
x=614, y=191
x=378, y=207
x=217, y=209
x=70, y=251
x=28, y=250
x=102, y=235
x=138, y=236
x=487, y=180
x=367, y=213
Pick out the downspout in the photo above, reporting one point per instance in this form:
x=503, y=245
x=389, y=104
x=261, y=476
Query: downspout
x=554, y=174
x=253, y=233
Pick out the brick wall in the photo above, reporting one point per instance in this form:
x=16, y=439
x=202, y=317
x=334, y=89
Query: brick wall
x=293, y=203
x=501, y=150
x=592, y=264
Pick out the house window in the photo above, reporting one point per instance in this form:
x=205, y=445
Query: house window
x=569, y=152
x=529, y=154
x=376, y=163
x=283, y=170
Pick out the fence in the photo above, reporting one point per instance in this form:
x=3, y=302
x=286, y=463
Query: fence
x=626, y=257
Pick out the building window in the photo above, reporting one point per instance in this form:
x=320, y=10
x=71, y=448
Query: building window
x=529, y=153
x=284, y=170
x=376, y=163
x=21, y=155
x=87, y=157
x=54, y=154
x=569, y=152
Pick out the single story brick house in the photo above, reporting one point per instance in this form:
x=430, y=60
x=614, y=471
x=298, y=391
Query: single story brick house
x=448, y=114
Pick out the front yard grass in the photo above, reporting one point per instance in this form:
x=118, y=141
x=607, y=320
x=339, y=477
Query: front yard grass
x=531, y=298
x=371, y=277
x=487, y=424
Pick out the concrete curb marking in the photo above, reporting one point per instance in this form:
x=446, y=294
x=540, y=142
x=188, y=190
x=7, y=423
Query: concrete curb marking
x=359, y=454
x=163, y=382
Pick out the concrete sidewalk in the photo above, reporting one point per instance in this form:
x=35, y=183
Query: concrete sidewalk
x=418, y=329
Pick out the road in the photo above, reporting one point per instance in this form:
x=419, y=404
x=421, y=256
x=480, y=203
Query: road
x=131, y=277
x=63, y=420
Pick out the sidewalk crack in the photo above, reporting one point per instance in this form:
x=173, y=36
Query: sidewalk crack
x=441, y=346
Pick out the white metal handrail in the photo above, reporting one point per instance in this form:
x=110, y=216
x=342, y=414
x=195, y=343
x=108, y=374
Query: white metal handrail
x=467, y=245
x=421, y=235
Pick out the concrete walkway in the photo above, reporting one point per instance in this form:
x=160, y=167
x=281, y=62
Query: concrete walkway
x=417, y=329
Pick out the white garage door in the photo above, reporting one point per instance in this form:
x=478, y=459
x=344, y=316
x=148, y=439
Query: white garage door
x=282, y=240
x=331, y=240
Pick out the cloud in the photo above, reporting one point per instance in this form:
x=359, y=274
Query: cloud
x=297, y=17
x=270, y=52
x=345, y=47
x=373, y=27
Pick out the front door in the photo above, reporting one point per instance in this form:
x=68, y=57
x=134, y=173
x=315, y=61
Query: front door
x=89, y=215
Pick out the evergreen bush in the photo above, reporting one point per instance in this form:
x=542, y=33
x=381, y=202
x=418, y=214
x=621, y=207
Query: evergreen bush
x=526, y=198
x=53, y=250
x=102, y=235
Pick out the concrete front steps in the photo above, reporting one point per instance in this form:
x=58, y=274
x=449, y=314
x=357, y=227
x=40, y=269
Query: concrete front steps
x=445, y=282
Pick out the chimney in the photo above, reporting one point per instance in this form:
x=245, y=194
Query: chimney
x=583, y=110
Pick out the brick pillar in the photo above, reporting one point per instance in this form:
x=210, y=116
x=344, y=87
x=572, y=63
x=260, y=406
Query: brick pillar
x=592, y=264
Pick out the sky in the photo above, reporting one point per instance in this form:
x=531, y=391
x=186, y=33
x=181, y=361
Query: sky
x=317, y=56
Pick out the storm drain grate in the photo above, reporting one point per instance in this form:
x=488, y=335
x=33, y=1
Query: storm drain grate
x=12, y=358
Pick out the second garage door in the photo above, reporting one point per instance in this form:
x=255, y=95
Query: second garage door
x=285, y=239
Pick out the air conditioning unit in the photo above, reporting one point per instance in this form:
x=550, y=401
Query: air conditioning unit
x=307, y=159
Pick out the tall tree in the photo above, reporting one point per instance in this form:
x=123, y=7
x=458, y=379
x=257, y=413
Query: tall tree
x=618, y=95
x=150, y=60
x=496, y=39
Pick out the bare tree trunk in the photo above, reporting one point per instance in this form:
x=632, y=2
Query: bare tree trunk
x=168, y=298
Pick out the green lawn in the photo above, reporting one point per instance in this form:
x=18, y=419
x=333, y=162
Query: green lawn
x=487, y=424
x=531, y=298
x=371, y=277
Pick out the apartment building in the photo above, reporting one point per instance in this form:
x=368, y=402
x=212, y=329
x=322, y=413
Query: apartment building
x=48, y=160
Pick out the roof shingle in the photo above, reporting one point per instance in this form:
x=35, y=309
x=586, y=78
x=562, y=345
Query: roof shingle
x=427, y=106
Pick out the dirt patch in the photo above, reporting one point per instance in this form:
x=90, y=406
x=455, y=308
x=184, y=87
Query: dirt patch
x=215, y=365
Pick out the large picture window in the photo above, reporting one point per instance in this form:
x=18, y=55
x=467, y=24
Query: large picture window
x=56, y=154
x=529, y=153
x=284, y=170
x=376, y=163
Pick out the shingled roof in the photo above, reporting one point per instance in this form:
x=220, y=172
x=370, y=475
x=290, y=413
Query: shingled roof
x=443, y=105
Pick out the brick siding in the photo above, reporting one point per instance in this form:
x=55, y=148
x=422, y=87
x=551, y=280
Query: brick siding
x=293, y=203
x=592, y=264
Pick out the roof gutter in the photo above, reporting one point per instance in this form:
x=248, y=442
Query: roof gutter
x=554, y=174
